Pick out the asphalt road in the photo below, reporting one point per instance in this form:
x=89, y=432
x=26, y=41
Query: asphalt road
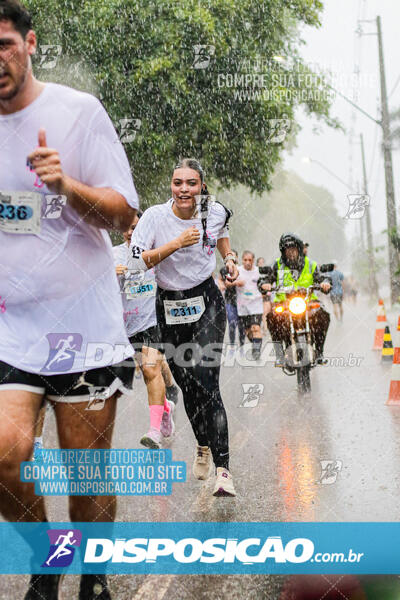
x=276, y=451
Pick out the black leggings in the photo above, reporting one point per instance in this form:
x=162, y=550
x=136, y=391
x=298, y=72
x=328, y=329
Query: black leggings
x=196, y=371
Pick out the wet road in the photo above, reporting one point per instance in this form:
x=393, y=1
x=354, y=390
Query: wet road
x=276, y=453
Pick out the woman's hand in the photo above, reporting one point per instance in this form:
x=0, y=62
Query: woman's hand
x=189, y=237
x=232, y=270
x=121, y=269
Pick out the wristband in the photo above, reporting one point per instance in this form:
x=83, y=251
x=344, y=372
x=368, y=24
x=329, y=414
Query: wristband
x=231, y=257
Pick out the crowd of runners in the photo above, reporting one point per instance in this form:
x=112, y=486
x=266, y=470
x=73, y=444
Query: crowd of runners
x=76, y=313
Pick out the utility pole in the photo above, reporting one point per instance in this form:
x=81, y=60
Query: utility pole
x=373, y=285
x=387, y=154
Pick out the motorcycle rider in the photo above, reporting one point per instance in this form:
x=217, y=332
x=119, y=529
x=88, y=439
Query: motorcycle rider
x=293, y=268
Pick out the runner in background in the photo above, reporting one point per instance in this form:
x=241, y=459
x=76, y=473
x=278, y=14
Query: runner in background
x=336, y=294
x=229, y=289
x=138, y=299
x=260, y=262
x=353, y=289
x=267, y=306
x=250, y=302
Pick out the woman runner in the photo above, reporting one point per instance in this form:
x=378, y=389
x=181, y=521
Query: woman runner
x=138, y=299
x=190, y=308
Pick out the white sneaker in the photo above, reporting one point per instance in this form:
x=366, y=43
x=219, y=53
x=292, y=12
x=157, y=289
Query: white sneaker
x=152, y=439
x=203, y=463
x=224, y=483
x=167, y=426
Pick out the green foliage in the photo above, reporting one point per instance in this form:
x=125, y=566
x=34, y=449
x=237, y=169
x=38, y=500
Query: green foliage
x=138, y=57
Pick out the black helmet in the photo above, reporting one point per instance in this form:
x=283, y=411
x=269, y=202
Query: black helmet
x=290, y=239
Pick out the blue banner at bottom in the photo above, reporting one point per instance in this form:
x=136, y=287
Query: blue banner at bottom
x=200, y=548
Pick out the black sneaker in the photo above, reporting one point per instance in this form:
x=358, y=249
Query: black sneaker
x=43, y=586
x=172, y=393
x=94, y=587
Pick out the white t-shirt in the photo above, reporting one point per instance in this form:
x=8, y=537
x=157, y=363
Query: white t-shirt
x=58, y=284
x=138, y=292
x=188, y=267
x=249, y=299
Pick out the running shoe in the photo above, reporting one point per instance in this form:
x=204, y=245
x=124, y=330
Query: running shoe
x=203, y=463
x=43, y=586
x=94, y=587
x=152, y=439
x=224, y=483
x=172, y=393
x=167, y=426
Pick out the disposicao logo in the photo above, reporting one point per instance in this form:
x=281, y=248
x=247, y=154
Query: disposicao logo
x=190, y=550
x=62, y=547
x=63, y=347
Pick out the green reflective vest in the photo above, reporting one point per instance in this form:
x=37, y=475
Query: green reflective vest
x=284, y=277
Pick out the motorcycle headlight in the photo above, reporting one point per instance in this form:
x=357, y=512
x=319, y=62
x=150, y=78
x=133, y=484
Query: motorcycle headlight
x=297, y=306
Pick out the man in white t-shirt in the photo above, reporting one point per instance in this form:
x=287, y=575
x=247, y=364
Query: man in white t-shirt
x=250, y=302
x=62, y=333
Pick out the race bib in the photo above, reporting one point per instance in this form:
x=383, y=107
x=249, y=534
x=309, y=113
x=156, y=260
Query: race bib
x=20, y=212
x=138, y=289
x=178, y=312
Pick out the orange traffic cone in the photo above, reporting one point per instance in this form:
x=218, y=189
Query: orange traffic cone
x=380, y=327
x=394, y=390
x=387, y=347
x=398, y=324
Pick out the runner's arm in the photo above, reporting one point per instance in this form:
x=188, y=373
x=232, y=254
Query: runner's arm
x=101, y=207
x=152, y=257
x=224, y=248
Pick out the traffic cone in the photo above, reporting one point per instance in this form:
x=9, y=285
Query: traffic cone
x=381, y=323
x=398, y=324
x=387, y=347
x=394, y=390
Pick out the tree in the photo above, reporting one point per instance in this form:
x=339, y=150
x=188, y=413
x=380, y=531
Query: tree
x=196, y=79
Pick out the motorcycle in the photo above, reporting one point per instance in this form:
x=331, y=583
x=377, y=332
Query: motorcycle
x=300, y=354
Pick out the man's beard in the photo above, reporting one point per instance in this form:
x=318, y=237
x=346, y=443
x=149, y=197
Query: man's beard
x=16, y=87
x=10, y=95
